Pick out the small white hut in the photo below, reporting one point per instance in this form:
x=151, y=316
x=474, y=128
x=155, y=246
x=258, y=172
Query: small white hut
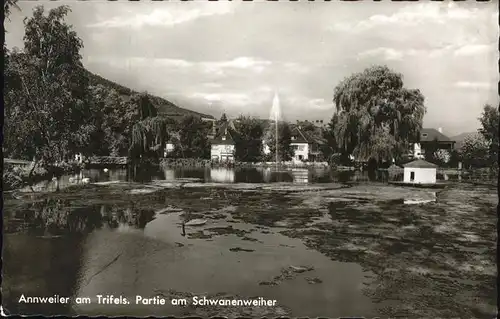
x=420, y=172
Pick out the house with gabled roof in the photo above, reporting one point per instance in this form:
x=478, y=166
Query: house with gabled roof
x=300, y=144
x=306, y=144
x=430, y=137
x=223, y=145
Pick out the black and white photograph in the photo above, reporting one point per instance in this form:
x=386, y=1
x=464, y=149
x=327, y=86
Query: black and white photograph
x=250, y=158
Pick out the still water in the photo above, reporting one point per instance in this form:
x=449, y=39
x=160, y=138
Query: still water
x=216, y=175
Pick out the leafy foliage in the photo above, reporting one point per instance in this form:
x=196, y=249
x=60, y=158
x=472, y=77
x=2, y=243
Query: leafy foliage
x=475, y=151
x=436, y=155
x=376, y=117
x=193, y=141
x=285, y=150
x=223, y=118
x=46, y=99
x=248, y=139
x=149, y=137
x=490, y=130
x=330, y=149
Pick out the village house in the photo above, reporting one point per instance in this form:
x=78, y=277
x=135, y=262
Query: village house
x=419, y=172
x=430, y=137
x=223, y=145
x=300, y=144
x=170, y=145
x=306, y=146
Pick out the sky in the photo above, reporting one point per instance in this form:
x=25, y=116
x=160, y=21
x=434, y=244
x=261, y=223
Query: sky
x=232, y=57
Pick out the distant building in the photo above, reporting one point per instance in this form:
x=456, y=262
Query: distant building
x=429, y=136
x=170, y=145
x=306, y=145
x=300, y=144
x=223, y=145
x=420, y=172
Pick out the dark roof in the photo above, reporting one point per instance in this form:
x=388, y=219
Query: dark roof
x=300, y=137
x=431, y=134
x=420, y=164
x=224, y=131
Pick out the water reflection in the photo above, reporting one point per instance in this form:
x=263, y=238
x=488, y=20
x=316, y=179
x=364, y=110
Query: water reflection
x=43, y=248
x=300, y=175
x=222, y=175
x=57, y=217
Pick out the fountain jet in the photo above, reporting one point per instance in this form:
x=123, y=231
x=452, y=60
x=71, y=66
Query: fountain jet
x=275, y=116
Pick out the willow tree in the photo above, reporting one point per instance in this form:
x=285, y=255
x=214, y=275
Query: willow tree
x=149, y=137
x=376, y=116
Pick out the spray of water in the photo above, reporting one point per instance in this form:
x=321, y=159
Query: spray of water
x=275, y=116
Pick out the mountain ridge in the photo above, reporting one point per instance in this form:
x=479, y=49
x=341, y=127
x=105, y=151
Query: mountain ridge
x=164, y=106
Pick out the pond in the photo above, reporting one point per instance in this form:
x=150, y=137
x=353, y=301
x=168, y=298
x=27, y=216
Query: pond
x=316, y=244
x=214, y=175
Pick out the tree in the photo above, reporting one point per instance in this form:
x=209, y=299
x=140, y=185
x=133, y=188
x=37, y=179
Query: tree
x=248, y=139
x=193, y=141
x=46, y=102
x=436, y=155
x=307, y=126
x=285, y=150
x=475, y=151
x=223, y=118
x=489, y=130
x=330, y=147
x=376, y=117
x=149, y=137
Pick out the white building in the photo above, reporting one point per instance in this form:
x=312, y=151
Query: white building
x=420, y=172
x=170, y=145
x=169, y=148
x=300, y=144
x=223, y=145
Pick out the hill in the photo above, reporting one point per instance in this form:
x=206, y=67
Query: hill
x=165, y=107
x=460, y=138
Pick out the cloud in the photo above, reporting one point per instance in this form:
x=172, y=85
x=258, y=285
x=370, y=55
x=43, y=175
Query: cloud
x=411, y=15
x=320, y=104
x=243, y=63
x=214, y=67
x=164, y=15
x=473, y=49
x=296, y=67
x=386, y=53
x=393, y=54
x=237, y=99
x=473, y=85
